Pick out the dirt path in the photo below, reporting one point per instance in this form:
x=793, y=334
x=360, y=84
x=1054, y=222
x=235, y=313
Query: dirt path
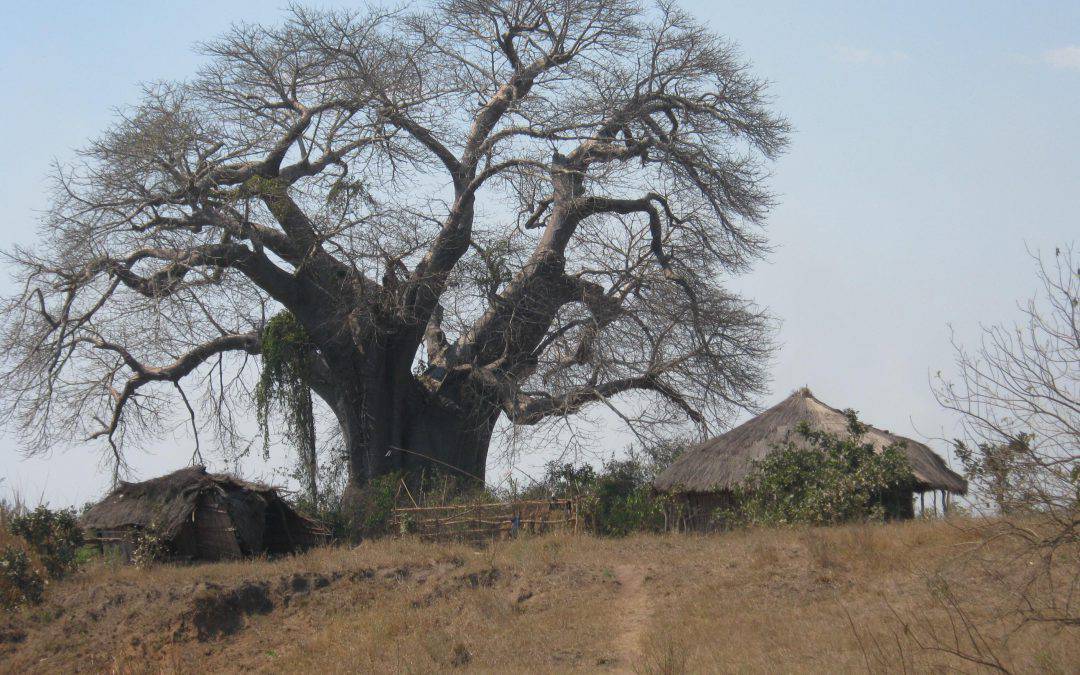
x=632, y=612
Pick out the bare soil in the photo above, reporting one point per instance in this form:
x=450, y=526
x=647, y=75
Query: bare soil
x=632, y=610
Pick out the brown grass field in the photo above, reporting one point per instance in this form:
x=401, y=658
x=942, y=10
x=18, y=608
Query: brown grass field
x=878, y=598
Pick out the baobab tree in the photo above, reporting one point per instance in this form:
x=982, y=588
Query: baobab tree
x=481, y=209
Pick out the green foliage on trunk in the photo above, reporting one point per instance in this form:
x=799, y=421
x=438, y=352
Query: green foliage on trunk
x=285, y=382
x=376, y=505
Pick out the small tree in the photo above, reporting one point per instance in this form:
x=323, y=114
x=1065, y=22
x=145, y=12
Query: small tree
x=621, y=501
x=565, y=480
x=22, y=576
x=1018, y=399
x=993, y=467
x=831, y=479
x=35, y=546
x=22, y=579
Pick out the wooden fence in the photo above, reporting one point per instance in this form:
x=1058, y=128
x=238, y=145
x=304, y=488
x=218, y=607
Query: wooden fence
x=482, y=523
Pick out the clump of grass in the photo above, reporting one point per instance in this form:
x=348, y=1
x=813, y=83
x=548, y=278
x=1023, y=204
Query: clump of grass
x=668, y=656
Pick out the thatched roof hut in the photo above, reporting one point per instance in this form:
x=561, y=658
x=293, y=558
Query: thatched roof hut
x=724, y=462
x=199, y=515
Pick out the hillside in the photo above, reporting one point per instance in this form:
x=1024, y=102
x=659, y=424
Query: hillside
x=810, y=600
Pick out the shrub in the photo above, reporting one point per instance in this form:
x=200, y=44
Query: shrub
x=327, y=510
x=326, y=507
x=55, y=536
x=147, y=549
x=615, y=501
x=622, y=501
x=834, y=479
x=21, y=580
x=35, y=546
x=369, y=514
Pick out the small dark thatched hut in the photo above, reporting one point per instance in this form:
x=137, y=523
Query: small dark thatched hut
x=706, y=473
x=202, y=516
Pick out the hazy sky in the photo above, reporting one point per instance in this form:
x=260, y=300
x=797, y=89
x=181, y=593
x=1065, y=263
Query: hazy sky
x=933, y=142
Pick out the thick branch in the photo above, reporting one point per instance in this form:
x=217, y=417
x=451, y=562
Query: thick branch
x=528, y=410
x=189, y=361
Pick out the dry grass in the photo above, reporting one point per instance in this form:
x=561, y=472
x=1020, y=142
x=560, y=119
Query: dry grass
x=820, y=600
x=839, y=599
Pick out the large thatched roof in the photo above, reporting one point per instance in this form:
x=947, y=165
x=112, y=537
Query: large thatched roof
x=167, y=502
x=725, y=462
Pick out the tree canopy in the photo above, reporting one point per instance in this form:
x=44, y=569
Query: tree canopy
x=476, y=209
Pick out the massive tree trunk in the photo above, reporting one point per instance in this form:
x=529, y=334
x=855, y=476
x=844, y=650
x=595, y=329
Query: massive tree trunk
x=390, y=422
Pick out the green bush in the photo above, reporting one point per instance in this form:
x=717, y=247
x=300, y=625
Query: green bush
x=369, y=515
x=616, y=501
x=21, y=582
x=55, y=536
x=831, y=479
x=622, y=501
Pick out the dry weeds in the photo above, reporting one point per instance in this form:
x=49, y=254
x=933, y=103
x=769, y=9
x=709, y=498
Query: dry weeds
x=809, y=600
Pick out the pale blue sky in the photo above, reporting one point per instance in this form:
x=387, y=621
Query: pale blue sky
x=934, y=140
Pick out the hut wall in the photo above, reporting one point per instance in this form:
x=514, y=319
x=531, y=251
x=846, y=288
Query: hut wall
x=247, y=510
x=213, y=528
x=185, y=544
x=114, y=544
x=286, y=531
x=278, y=537
x=900, y=505
x=699, y=511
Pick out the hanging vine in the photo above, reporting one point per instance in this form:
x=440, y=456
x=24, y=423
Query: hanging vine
x=285, y=382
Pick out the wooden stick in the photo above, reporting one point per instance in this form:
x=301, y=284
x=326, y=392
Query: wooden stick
x=409, y=493
x=560, y=502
